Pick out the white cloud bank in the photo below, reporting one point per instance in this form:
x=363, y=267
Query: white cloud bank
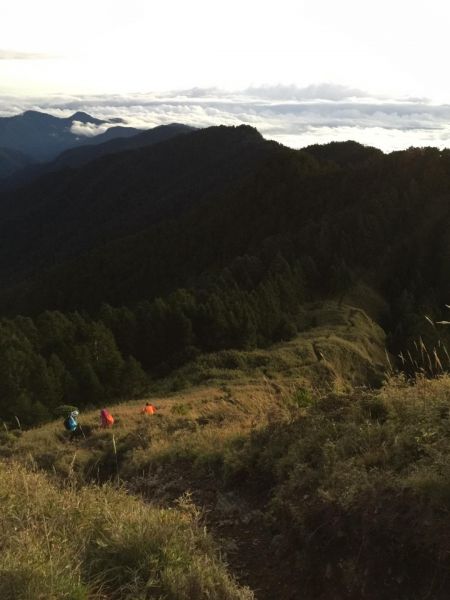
x=88, y=129
x=292, y=115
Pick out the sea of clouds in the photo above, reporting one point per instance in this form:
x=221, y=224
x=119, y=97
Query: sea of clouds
x=292, y=115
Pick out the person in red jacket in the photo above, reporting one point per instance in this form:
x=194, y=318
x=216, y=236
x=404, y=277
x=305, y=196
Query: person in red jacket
x=106, y=418
x=148, y=409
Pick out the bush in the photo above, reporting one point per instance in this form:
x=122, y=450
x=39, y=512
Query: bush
x=375, y=408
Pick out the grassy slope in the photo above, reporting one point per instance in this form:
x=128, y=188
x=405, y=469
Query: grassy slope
x=339, y=347
x=307, y=482
x=101, y=543
x=326, y=496
x=219, y=396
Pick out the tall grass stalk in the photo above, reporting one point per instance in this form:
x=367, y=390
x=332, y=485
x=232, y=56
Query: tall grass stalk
x=115, y=457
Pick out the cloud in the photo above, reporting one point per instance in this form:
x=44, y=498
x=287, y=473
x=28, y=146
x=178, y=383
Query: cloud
x=88, y=129
x=19, y=55
x=320, y=91
x=295, y=116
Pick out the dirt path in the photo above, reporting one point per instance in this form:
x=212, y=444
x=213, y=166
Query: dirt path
x=252, y=558
x=237, y=523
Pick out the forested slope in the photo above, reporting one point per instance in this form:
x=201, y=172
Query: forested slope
x=217, y=239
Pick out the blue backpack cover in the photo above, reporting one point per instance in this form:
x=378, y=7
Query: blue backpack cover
x=70, y=423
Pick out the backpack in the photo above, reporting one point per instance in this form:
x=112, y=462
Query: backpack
x=70, y=424
x=106, y=418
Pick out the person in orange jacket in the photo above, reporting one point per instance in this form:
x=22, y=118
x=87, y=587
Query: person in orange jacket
x=106, y=418
x=148, y=409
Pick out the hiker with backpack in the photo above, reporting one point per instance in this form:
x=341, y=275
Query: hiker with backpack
x=71, y=423
x=106, y=418
x=148, y=409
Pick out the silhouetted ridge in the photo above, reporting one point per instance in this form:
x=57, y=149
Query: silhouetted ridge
x=71, y=212
x=38, y=116
x=344, y=154
x=34, y=115
x=42, y=136
x=77, y=157
x=85, y=118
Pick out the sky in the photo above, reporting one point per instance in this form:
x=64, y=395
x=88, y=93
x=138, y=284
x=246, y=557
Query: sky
x=300, y=71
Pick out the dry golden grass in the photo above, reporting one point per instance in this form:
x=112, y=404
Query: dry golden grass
x=199, y=421
x=99, y=543
x=329, y=461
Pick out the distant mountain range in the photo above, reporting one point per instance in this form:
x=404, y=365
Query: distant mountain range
x=17, y=168
x=71, y=212
x=41, y=137
x=224, y=209
x=110, y=143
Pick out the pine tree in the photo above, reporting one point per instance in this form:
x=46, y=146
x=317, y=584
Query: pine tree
x=134, y=380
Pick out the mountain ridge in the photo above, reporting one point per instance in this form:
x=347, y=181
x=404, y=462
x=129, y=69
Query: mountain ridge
x=26, y=202
x=43, y=136
x=219, y=237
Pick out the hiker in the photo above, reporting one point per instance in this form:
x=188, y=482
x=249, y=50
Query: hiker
x=71, y=423
x=106, y=418
x=148, y=409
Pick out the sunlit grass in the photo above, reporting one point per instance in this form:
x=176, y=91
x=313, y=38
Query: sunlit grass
x=101, y=543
